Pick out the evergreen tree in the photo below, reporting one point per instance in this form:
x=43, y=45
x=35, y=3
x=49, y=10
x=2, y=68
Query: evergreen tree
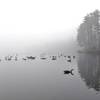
x=89, y=31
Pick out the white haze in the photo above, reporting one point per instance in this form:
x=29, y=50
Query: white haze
x=27, y=23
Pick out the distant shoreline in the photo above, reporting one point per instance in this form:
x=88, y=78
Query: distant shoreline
x=89, y=51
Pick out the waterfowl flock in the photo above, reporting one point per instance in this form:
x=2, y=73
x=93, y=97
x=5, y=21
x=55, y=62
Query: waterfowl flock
x=52, y=57
x=67, y=58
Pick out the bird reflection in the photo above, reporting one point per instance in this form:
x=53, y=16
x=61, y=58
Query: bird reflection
x=89, y=69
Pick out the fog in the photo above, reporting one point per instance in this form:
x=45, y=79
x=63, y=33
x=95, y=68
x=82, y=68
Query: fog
x=34, y=23
x=25, y=23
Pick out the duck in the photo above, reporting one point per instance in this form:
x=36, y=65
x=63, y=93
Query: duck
x=73, y=57
x=43, y=58
x=69, y=60
x=31, y=57
x=54, y=57
x=69, y=56
x=24, y=59
x=69, y=72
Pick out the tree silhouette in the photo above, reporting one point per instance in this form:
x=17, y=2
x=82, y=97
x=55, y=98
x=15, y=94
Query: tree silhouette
x=89, y=31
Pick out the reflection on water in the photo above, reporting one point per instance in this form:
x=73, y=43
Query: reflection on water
x=50, y=77
x=89, y=69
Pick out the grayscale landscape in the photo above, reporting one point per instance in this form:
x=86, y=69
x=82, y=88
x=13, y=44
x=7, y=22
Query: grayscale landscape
x=49, y=50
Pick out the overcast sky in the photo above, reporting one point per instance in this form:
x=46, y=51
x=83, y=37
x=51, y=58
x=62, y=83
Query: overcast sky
x=24, y=21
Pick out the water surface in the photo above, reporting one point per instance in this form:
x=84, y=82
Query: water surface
x=45, y=79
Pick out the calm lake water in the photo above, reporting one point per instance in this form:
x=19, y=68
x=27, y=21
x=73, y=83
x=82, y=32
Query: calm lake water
x=45, y=79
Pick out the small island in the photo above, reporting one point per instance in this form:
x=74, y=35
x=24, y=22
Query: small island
x=89, y=33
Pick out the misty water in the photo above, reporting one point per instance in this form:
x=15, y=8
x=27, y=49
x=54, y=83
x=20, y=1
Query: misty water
x=44, y=79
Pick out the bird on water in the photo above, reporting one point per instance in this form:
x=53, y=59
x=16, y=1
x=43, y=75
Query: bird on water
x=69, y=72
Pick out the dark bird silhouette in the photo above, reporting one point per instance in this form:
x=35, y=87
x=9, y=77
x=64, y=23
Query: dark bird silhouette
x=31, y=57
x=73, y=57
x=69, y=72
x=69, y=60
x=24, y=59
x=54, y=58
x=69, y=56
x=8, y=58
x=43, y=58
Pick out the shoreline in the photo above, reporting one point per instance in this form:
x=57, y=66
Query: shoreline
x=89, y=51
